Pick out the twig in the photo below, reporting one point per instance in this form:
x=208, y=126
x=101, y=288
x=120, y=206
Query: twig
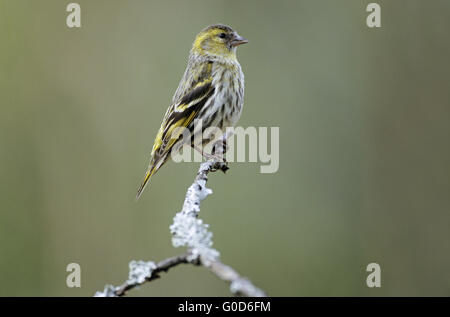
x=153, y=272
x=189, y=231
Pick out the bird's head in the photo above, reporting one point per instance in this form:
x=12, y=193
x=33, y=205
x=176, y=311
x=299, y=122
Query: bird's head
x=218, y=40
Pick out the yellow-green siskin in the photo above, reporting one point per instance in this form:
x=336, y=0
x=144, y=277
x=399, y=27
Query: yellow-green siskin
x=212, y=89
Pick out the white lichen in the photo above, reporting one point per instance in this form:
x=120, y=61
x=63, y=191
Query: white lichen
x=187, y=229
x=244, y=286
x=109, y=291
x=140, y=271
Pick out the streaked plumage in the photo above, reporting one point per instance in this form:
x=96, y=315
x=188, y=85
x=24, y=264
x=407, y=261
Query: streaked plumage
x=212, y=89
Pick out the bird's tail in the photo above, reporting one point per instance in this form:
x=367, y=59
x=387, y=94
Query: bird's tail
x=151, y=170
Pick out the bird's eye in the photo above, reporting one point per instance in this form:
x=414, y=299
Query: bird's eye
x=222, y=35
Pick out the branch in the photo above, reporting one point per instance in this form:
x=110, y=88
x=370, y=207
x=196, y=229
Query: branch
x=189, y=231
x=141, y=272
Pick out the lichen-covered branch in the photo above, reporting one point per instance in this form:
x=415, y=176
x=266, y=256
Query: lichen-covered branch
x=189, y=231
x=141, y=272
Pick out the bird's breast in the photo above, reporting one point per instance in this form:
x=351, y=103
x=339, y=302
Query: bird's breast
x=226, y=103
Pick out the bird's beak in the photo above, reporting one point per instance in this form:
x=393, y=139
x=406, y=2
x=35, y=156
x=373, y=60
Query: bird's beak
x=238, y=40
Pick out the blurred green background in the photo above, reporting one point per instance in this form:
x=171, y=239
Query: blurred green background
x=364, y=117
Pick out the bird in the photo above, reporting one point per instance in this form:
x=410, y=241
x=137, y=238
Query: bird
x=211, y=90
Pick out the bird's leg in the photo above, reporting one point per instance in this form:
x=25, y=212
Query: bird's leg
x=220, y=148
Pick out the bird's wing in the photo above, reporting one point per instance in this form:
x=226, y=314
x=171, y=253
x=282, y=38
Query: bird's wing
x=192, y=97
x=181, y=115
